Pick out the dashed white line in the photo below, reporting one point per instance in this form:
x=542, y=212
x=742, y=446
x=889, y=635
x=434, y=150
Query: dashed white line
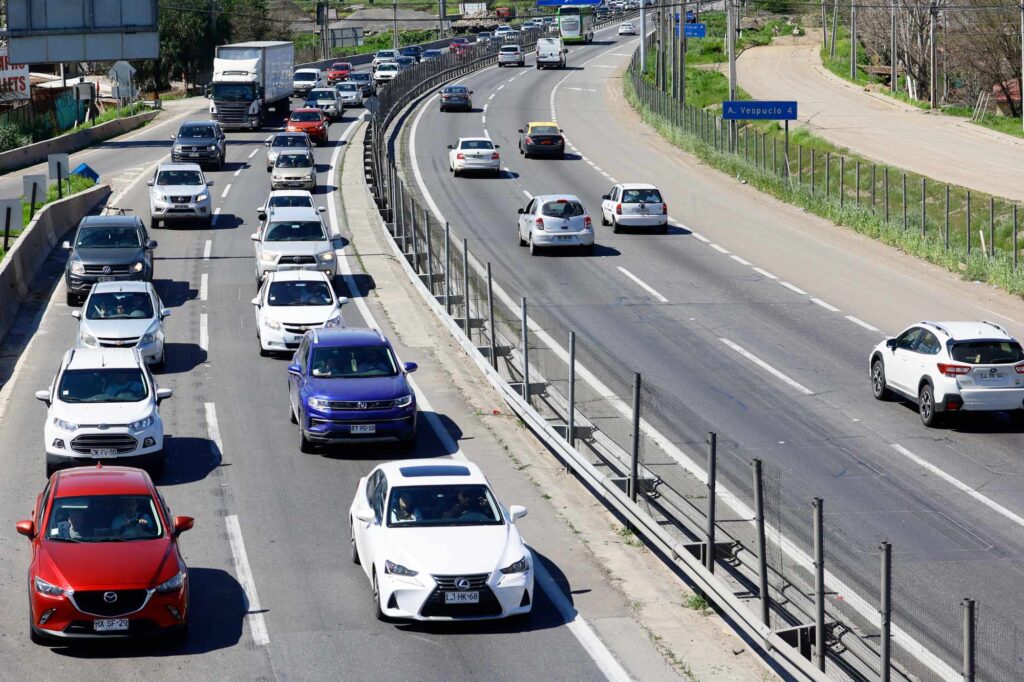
x=499, y=89
x=701, y=237
x=719, y=249
x=597, y=168
x=739, y=260
x=204, y=281
x=528, y=195
x=243, y=573
x=766, y=367
x=765, y=273
x=862, y=323
x=253, y=152
x=483, y=119
x=213, y=427
x=826, y=306
x=204, y=331
x=492, y=95
x=239, y=171
x=793, y=287
x=486, y=134
x=485, y=108
x=216, y=214
x=226, y=190
x=207, y=248
x=649, y=289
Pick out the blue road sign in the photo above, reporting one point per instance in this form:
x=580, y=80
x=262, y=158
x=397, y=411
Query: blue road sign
x=696, y=30
x=758, y=111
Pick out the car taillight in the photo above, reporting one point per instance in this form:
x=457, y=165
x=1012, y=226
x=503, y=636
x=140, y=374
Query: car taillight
x=460, y=156
x=954, y=370
x=587, y=223
x=539, y=223
x=664, y=209
x=618, y=209
x=494, y=156
x=528, y=140
x=1019, y=368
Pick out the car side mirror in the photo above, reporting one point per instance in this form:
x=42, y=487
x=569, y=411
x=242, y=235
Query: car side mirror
x=26, y=528
x=66, y=245
x=266, y=143
x=294, y=369
x=522, y=132
x=471, y=92
x=606, y=197
x=451, y=146
x=182, y=524
x=321, y=209
x=163, y=394
x=497, y=146
x=342, y=300
x=149, y=183
x=256, y=301
x=173, y=136
x=268, y=169
x=77, y=314
x=164, y=312
x=410, y=367
x=151, y=244
x=365, y=515
x=44, y=396
x=521, y=211
x=262, y=214
x=516, y=511
x=209, y=183
x=890, y=343
x=254, y=236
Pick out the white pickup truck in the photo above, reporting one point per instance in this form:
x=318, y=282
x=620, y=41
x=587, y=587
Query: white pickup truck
x=551, y=53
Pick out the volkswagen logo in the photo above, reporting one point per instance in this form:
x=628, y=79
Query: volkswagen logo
x=361, y=405
x=103, y=427
x=462, y=583
x=110, y=597
x=106, y=269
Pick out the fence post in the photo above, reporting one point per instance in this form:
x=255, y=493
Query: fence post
x=842, y=180
x=415, y=239
x=946, y=237
x=828, y=174
x=800, y=165
x=857, y=181
x=430, y=253
x=570, y=429
x=448, y=270
x=634, y=468
x=762, y=556
x=812, y=170
x=709, y=555
x=819, y=583
x=992, y=226
x=7, y=228
x=924, y=208
x=967, y=607
x=465, y=288
x=746, y=143
x=400, y=218
x=526, y=349
x=885, y=611
x=968, y=222
x=873, y=168
x=904, y=201
x=886, y=169
x=775, y=156
x=1015, y=236
x=490, y=319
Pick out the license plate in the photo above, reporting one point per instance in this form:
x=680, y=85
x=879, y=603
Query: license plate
x=181, y=206
x=106, y=278
x=110, y=624
x=564, y=238
x=103, y=452
x=986, y=377
x=461, y=597
x=364, y=428
x=193, y=155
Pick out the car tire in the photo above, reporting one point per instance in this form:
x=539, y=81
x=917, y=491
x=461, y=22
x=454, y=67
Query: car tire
x=353, y=550
x=154, y=223
x=378, y=612
x=291, y=413
x=305, y=447
x=878, y=387
x=604, y=221
x=208, y=222
x=926, y=405
x=455, y=171
x=663, y=229
x=615, y=226
x=71, y=299
x=534, y=251
x=159, y=364
x=519, y=235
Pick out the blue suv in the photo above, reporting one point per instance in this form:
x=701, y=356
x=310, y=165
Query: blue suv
x=347, y=386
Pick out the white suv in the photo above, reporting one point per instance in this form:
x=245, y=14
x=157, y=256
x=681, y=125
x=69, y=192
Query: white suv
x=103, y=404
x=950, y=367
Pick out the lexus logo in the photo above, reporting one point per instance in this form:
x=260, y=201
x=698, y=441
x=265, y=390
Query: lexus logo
x=106, y=269
x=462, y=583
x=110, y=597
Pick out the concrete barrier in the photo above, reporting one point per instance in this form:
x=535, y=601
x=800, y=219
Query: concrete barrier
x=31, y=154
x=363, y=59
x=28, y=253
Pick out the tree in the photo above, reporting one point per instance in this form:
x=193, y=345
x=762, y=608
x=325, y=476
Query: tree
x=984, y=44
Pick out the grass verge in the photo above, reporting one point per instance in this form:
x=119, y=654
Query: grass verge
x=78, y=184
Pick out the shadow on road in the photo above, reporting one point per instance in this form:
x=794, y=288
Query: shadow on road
x=187, y=459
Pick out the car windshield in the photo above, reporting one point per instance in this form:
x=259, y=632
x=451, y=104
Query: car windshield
x=353, y=362
x=442, y=505
x=294, y=161
x=295, y=231
x=341, y=66
x=987, y=352
x=290, y=201
x=361, y=76
x=119, y=305
x=104, y=518
x=232, y=92
x=387, y=54
x=347, y=87
x=104, y=385
x=196, y=131
x=322, y=93
x=388, y=66
x=306, y=116
x=299, y=293
x=641, y=196
x=306, y=76
x=562, y=209
x=456, y=90
x=290, y=141
x=108, y=238
x=179, y=177
x=544, y=130
x=476, y=144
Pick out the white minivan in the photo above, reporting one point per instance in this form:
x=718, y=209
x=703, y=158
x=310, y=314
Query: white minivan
x=551, y=53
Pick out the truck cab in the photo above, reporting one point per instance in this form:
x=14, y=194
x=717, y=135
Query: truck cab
x=248, y=80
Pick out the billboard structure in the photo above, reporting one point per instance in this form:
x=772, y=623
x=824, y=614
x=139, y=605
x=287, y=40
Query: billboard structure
x=53, y=31
x=14, y=84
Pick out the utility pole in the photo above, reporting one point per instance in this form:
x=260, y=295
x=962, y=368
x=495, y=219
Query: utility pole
x=853, y=40
x=394, y=31
x=893, y=60
x=932, y=16
x=730, y=18
x=835, y=25
x=643, y=36
x=824, y=24
x=682, y=54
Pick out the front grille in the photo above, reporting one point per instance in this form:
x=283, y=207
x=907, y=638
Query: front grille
x=301, y=328
x=181, y=200
x=447, y=582
x=296, y=260
x=121, y=442
x=363, y=405
x=93, y=602
x=118, y=343
x=435, y=606
x=233, y=112
x=114, y=269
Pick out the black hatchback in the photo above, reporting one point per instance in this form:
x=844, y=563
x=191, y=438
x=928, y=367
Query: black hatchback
x=456, y=97
x=199, y=142
x=107, y=248
x=414, y=51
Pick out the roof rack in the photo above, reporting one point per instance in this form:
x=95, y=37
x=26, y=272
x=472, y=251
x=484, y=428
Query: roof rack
x=939, y=327
x=997, y=326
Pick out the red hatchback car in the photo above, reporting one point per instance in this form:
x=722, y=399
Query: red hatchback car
x=338, y=72
x=105, y=558
x=309, y=121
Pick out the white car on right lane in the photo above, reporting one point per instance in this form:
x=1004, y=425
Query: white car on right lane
x=634, y=205
x=289, y=303
x=627, y=28
x=555, y=220
x=474, y=154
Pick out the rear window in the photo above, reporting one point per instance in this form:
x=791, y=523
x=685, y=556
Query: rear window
x=476, y=144
x=987, y=352
x=544, y=130
x=290, y=141
x=510, y=48
x=322, y=94
x=306, y=116
x=641, y=196
x=563, y=209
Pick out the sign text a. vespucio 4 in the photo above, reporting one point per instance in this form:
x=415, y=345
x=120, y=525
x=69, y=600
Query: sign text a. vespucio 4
x=14, y=82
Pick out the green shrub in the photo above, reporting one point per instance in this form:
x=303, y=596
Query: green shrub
x=11, y=137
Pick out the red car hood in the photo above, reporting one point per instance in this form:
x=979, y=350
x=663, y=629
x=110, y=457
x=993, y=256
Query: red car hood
x=134, y=564
x=303, y=125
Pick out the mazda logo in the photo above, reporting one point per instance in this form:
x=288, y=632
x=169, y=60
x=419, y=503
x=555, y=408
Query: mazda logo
x=106, y=269
x=462, y=583
x=110, y=597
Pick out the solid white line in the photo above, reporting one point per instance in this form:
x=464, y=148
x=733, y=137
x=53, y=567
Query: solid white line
x=207, y=247
x=739, y=260
x=243, y=573
x=719, y=249
x=204, y=281
x=701, y=237
x=793, y=287
x=253, y=152
x=239, y=171
x=216, y=214
x=226, y=190
x=826, y=306
x=766, y=367
x=960, y=485
x=204, y=331
x=765, y=273
x=642, y=284
x=862, y=323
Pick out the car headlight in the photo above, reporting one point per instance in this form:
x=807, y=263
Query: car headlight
x=278, y=177
x=212, y=148
x=141, y=425
x=77, y=267
x=326, y=255
x=89, y=340
x=173, y=584
x=520, y=566
x=404, y=401
x=335, y=321
x=177, y=147
x=202, y=197
x=137, y=267
x=307, y=176
x=150, y=335
x=319, y=403
x=43, y=587
x=67, y=426
x=268, y=257
x=392, y=568
x=272, y=323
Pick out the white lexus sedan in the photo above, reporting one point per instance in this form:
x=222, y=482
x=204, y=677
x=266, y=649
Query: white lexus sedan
x=437, y=545
x=290, y=302
x=474, y=154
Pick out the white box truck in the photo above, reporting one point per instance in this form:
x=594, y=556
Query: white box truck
x=248, y=80
x=551, y=53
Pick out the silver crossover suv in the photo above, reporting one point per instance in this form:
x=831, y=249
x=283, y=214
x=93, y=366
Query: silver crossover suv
x=124, y=315
x=294, y=239
x=180, y=192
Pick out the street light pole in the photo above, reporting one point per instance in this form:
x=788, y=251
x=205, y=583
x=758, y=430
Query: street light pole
x=853, y=40
x=892, y=51
x=933, y=15
x=394, y=31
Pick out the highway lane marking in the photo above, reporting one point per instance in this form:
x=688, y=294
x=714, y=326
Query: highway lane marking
x=226, y=190
x=204, y=281
x=500, y=88
x=485, y=106
x=862, y=323
x=643, y=284
x=604, y=66
x=486, y=134
x=243, y=573
x=253, y=152
x=700, y=237
x=739, y=260
x=239, y=171
x=766, y=367
x=719, y=249
x=765, y=273
x=483, y=119
x=207, y=248
x=960, y=485
x=826, y=306
x=793, y=287
x=528, y=195
x=216, y=214
x=493, y=94
x=204, y=332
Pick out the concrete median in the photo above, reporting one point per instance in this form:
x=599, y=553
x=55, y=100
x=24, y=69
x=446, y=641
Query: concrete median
x=34, y=245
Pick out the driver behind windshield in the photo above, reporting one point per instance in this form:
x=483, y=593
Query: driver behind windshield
x=133, y=522
x=466, y=502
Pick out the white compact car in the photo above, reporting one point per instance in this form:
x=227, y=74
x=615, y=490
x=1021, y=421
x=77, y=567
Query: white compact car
x=125, y=314
x=627, y=28
x=383, y=56
x=949, y=367
x=350, y=94
x=293, y=239
x=328, y=101
x=436, y=544
x=555, y=220
x=474, y=154
x=634, y=205
x=511, y=55
x=179, y=192
x=291, y=302
x=386, y=71
x=103, y=404
x=288, y=198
